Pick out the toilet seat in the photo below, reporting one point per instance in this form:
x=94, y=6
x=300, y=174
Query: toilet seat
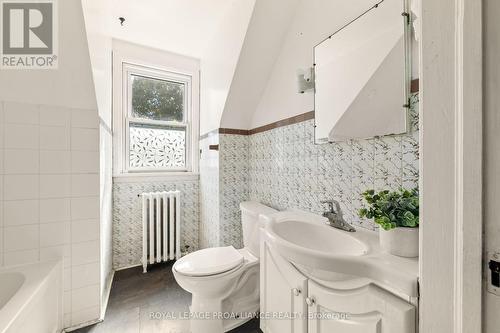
x=209, y=261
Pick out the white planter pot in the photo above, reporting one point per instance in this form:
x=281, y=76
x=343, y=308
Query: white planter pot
x=402, y=242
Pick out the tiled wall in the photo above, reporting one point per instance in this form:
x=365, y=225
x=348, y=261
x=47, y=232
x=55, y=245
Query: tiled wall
x=209, y=193
x=223, y=185
x=127, y=217
x=49, y=197
x=287, y=170
x=233, y=180
x=106, y=204
x=283, y=168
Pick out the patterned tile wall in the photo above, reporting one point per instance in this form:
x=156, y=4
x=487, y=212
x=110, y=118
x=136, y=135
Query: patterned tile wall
x=223, y=185
x=283, y=168
x=287, y=170
x=234, y=186
x=127, y=217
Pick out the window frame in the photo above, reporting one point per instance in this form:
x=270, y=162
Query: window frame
x=163, y=65
x=129, y=70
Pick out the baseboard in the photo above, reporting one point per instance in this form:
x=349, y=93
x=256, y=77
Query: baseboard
x=126, y=267
x=85, y=324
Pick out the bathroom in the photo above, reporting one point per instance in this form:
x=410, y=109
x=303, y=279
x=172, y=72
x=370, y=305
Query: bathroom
x=249, y=166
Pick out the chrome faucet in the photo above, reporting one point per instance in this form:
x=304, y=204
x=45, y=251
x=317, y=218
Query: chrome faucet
x=335, y=216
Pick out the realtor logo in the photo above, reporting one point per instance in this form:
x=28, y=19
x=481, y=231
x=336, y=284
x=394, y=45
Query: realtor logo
x=29, y=34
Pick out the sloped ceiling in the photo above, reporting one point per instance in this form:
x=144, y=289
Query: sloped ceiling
x=190, y=27
x=212, y=31
x=263, y=42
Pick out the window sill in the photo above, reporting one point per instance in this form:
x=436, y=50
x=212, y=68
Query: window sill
x=138, y=177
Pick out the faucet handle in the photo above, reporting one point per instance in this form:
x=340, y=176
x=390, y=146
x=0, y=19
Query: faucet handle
x=333, y=206
x=330, y=205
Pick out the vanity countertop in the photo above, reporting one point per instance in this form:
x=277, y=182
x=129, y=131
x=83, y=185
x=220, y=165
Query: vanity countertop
x=330, y=254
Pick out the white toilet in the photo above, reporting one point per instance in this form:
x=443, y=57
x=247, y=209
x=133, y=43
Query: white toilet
x=224, y=281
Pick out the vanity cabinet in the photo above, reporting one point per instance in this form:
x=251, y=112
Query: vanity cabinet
x=291, y=302
x=282, y=295
x=368, y=309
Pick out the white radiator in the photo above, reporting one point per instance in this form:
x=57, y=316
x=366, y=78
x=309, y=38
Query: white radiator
x=161, y=221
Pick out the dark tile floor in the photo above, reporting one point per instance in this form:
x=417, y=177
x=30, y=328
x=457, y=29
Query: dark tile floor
x=134, y=296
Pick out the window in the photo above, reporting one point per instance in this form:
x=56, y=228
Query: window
x=155, y=112
x=157, y=131
x=157, y=119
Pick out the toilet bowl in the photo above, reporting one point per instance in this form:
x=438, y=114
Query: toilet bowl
x=224, y=281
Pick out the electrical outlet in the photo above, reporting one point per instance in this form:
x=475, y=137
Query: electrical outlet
x=493, y=272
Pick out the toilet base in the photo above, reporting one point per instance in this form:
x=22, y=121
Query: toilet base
x=216, y=316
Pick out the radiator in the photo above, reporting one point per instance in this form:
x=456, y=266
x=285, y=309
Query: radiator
x=161, y=221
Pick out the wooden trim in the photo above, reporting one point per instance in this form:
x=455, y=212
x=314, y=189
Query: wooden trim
x=414, y=86
x=280, y=123
x=233, y=131
x=468, y=172
x=450, y=166
x=285, y=122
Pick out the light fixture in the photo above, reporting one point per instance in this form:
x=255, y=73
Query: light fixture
x=305, y=80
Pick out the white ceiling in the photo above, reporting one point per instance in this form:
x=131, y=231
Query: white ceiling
x=180, y=26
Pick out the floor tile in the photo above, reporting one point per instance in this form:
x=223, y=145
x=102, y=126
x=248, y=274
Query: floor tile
x=136, y=300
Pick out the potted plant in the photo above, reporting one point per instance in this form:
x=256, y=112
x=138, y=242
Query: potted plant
x=397, y=214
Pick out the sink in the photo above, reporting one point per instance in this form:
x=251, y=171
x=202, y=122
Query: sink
x=319, y=237
x=306, y=239
x=329, y=254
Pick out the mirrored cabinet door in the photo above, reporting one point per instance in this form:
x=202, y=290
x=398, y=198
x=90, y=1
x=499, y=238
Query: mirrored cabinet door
x=362, y=76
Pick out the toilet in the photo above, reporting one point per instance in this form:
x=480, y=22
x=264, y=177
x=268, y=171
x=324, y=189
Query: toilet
x=224, y=281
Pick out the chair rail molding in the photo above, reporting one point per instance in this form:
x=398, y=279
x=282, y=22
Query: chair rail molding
x=451, y=165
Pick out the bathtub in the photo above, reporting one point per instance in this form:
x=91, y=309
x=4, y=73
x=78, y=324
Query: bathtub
x=31, y=298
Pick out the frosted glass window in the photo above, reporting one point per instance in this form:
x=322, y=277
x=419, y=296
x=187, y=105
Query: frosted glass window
x=154, y=147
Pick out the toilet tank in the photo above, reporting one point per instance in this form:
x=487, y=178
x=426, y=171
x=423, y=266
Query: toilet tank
x=250, y=211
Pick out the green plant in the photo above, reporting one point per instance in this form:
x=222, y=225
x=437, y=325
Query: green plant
x=392, y=209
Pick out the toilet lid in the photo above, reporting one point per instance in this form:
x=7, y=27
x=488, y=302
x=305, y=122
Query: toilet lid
x=209, y=261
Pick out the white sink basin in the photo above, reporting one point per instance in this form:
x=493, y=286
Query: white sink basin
x=319, y=237
x=326, y=253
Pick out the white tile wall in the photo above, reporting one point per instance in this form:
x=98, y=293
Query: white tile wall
x=209, y=193
x=55, y=161
x=19, y=212
x=49, y=197
x=55, y=210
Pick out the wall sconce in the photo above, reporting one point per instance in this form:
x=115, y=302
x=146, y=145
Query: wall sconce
x=305, y=80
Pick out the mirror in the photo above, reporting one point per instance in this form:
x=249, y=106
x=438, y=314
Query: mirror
x=362, y=76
